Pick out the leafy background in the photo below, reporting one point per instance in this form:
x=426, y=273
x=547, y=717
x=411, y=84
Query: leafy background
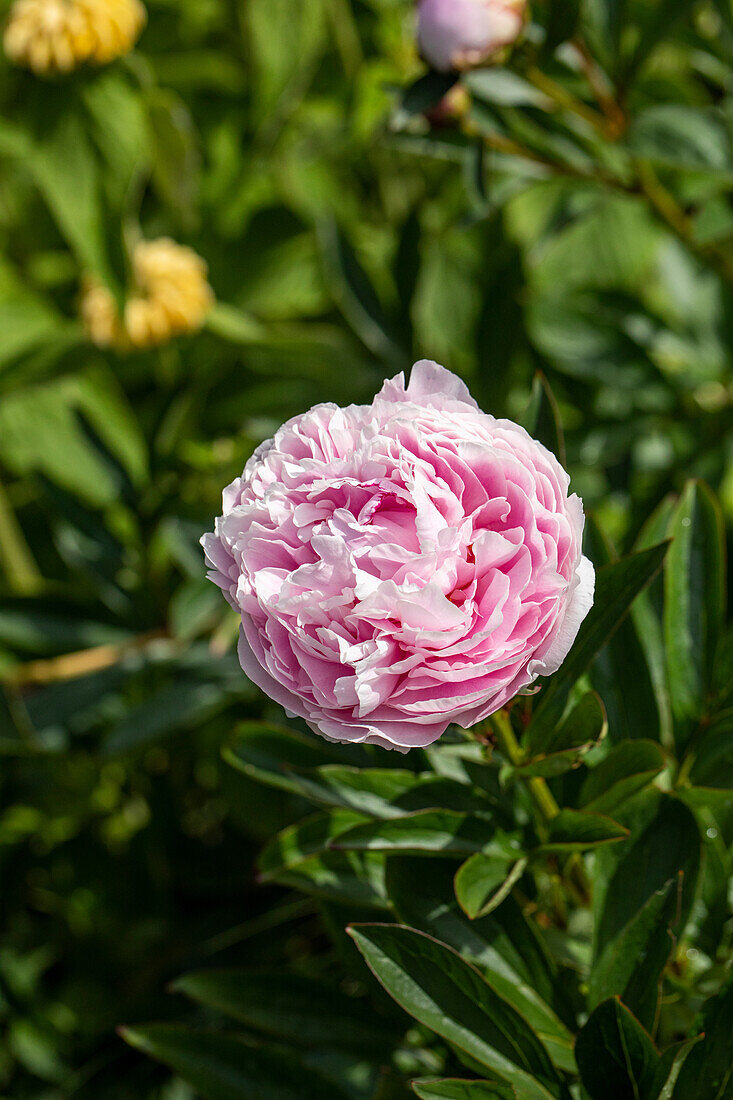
x=577, y=222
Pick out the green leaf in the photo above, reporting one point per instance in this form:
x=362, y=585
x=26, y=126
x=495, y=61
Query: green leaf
x=297, y=1010
x=355, y=295
x=421, y=96
x=119, y=129
x=643, y=894
x=505, y=88
x=435, y=985
x=356, y=878
x=627, y=769
x=294, y=762
x=175, y=150
x=297, y=843
x=632, y=964
x=462, y=1090
x=222, y=1067
x=582, y=728
x=669, y=1068
x=617, y=586
x=620, y=672
x=384, y=792
x=41, y=431
x=713, y=755
x=603, y=22
x=708, y=1068
x=270, y=753
x=575, y=830
x=687, y=138
x=484, y=881
x=505, y=946
x=427, y=832
x=66, y=170
x=694, y=607
x=561, y=23
x=542, y=418
x=616, y=1057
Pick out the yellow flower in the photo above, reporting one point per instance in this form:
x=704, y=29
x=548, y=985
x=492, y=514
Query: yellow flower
x=171, y=298
x=50, y=36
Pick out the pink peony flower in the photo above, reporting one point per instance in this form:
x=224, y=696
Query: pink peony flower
x=461, y=34
x=401, y=565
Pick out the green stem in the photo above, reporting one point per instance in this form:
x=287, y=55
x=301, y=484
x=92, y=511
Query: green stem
x=544, y=800
x=566, y=99
x=539, y=790
x=17, y=561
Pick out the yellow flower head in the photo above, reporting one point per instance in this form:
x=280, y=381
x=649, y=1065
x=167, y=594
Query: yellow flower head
x=172, y=298
x=50, y=36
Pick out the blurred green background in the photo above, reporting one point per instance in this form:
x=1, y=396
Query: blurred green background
x=345, y=237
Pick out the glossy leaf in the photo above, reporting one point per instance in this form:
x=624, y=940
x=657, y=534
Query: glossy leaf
x=620, y=672
x=505, y=945
x=431, y=832
x=484, y=881
x=627, y=769
x=575, y=830
x=434, y=984
x=643, y=895
x=694, y=602
x=583, y=728
x=462, y=1090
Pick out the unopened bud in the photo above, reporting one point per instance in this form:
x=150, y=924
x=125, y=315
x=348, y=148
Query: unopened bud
x=463, y=34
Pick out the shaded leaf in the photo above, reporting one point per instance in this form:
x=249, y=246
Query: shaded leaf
x=222, y=1067
x=298, y=1010
x=615, y=1055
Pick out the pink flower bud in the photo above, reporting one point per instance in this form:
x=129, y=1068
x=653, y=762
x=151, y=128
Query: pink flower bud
x=461, y=34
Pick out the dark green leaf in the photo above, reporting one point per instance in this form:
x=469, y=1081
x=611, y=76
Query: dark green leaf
x=617, y=585
x=434, y=984
x=222, y=1067
x=430, y=832
x=294, y=1009
x=353, y=877
x=575, y=830
x=423, y=95
x=462, y=1090
x=669, y=1068
x=542, y=418
x=643, y=894
x=616, y=1057
x=708, y=1068
x=620, y=673
x=356, y=296
x=582, y=728
x=694, y=592
x=505, y=945
x=628, y=768
x=561, y=23
x=682, y=137
x=299, y=842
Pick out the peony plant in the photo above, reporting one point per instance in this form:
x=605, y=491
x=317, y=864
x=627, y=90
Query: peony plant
x=542, y=888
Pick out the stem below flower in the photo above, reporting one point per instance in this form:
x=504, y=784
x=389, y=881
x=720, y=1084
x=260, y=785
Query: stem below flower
x=539, y=790
x=544, y=800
